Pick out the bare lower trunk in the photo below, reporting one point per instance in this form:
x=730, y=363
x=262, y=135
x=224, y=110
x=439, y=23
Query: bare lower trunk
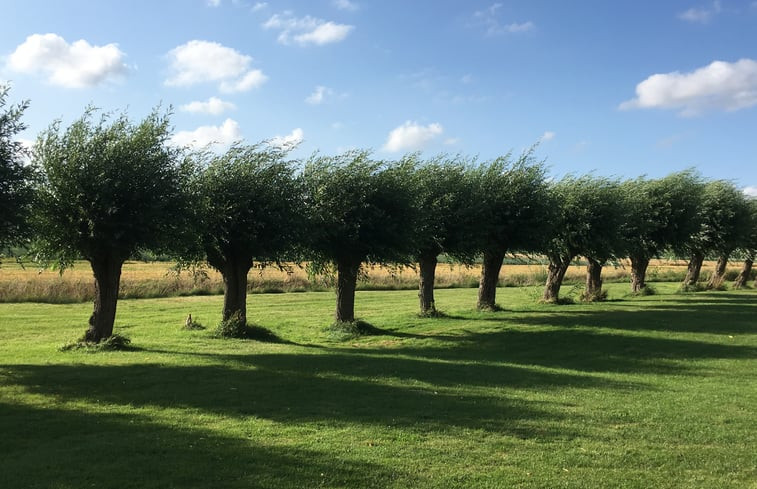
x=346, y=282
x=694, y=269
x=107, y=272
x=427, y=265
x=639, y=265
x=593, y=290
x=487, y=287
x=746, y=272
x=234, y=274
x=718, y=276
x=555, y=275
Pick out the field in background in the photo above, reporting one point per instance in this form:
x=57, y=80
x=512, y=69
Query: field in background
x=155, y=279
x=637, y=393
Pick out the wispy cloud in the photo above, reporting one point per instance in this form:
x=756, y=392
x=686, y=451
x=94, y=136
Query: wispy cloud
x=306, y=30
x=345, y=5
x=547, y=136
x=701, y=15
x=213, y=106
x=489, y=20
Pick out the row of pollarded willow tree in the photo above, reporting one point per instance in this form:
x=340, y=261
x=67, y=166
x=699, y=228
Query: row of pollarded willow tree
x=104, y=189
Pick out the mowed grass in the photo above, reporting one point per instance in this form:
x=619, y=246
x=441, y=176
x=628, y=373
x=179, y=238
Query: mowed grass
x=637, y=392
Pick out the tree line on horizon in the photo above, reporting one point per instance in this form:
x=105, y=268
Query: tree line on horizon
x=105, y=188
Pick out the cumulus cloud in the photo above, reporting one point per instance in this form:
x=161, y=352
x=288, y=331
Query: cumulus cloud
x=547, y=136
x=489, y=20
x=750, y=191
x=203, y=62
x=290, y=140
x=345, y=5
x=717, y=86
x=75, y=65
x=213, y=106
x=306, y=30
x=222, y=136
x=701, y=15
x=412, y=136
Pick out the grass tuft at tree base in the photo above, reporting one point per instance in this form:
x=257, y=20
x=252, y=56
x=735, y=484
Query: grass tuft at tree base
x=236, y=327
x=115, y=342
x=349, y=330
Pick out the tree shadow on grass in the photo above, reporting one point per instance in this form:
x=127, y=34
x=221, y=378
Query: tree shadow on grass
x=46, y=448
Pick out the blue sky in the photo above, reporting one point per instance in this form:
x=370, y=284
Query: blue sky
x=623, y=88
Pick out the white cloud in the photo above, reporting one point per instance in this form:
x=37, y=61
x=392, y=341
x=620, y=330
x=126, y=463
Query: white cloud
x=214, y=3
x=203, y=61
x=451, y=141
x=223, y=135
x=289, y=141
x=75, y=65
x=411, y=136
x=213, y=106
x=701, y=15
x=750, y=191
x=345, y=5
x=719, y=85
x=466, y=79
x=306, y=30
x=488, y=18
x=318, y=95
x=547, y=136
x=259, y=6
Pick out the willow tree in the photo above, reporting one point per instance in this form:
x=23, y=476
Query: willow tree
x=107, y=190
x=724, y=220
x=444, y=197
x=251, y=213
x=15, y=177
x=748, y=247
x=513, y=208
x=359, y=210
x=583, y=225
x=660, y=214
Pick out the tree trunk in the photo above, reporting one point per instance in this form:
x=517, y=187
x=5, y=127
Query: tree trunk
x=427, y=264
x=487, y=287
x=746, y=271
x=346, y=282
x=639, y=265
x=694, y=268
x=718, y=276
x=555, y=275
x=107, y=272
x=234, y=273
x=593, y=290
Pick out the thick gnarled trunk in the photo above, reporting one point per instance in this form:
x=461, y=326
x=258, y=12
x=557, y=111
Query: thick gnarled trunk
x=718, y=276
x=346, y=282
x=694, y=269
x=107, y=272
x=234, y=273
x=427, y=264
x=593, y=291
x=639, y=265
x=487, y=287
x=746, y=272
x=555, y=276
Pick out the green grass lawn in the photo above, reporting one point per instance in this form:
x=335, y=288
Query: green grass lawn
x=643, y=392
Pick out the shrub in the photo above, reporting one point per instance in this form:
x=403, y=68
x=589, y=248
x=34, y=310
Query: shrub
x=115, y=342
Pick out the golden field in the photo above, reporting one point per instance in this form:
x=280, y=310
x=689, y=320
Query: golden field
x=156, y=279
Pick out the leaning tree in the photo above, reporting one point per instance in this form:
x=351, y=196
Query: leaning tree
x=584, y=224
x=359, y=210
x=660, y=214
x=724, y=221
x=512, y=208
x=251, y=213
x=107, y=190
x=15, y=177
x=444, y=197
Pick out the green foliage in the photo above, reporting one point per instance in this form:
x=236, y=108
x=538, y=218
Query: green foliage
x=114, y=342
x=512, y=205
x=661, y=214
x=251, y=206
x=359, y=209
x=16, y=193
x=111, y=188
